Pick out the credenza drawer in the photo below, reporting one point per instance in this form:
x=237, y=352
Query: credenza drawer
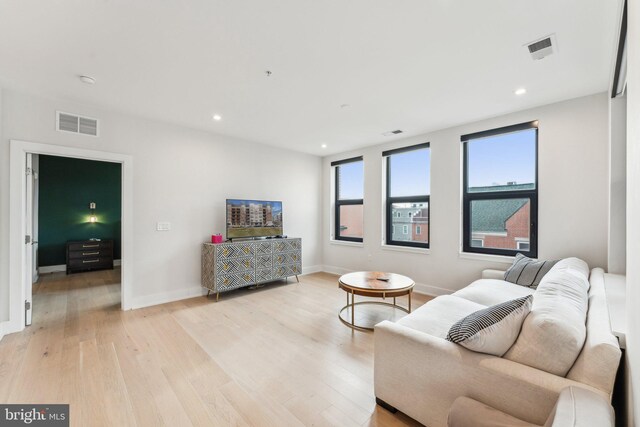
x=286, y=258
x=229, y=265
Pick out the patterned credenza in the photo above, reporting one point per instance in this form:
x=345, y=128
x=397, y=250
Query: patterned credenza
x=227, y=266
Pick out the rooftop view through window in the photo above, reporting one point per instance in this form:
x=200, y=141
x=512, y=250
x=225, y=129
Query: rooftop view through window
x=501, y=175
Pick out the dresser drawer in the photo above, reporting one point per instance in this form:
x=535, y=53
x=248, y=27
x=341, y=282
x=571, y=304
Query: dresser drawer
x=89, y=245
x=91, y=253
x=88, y=262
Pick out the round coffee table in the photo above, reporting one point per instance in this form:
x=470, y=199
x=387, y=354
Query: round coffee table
x=373, y=284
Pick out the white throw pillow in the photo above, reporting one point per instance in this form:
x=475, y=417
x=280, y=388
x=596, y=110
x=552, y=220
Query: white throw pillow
x=491, y=330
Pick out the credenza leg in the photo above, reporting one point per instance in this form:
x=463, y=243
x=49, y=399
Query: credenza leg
x=217, y=296
x=297, y=280
x=208, y=292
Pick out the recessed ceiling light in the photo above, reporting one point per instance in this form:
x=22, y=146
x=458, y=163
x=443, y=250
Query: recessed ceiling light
x=88, y=80
x=217, y=117
x=520, y=91
x=324, y=146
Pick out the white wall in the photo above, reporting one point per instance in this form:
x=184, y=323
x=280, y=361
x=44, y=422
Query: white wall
x=180, y=175
x=633, y=207
x=573, y=197
x=617, y=259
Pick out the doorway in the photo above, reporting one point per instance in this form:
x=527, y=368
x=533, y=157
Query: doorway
x=21, y=201
x=73, y=219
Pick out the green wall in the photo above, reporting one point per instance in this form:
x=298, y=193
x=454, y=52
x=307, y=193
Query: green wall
x=66, y=187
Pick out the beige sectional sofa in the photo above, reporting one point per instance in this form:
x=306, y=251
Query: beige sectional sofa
x=566, y=340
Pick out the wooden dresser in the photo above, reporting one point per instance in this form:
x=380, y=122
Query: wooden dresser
x=227, y=266
x=85, y=255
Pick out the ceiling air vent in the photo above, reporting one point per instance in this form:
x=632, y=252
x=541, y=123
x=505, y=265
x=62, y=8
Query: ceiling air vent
x=392, y=132
x=542, y=48
x=67, y=122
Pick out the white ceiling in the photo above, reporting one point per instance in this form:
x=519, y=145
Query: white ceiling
x=416, y=65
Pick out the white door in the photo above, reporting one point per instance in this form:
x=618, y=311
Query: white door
x=28, y=240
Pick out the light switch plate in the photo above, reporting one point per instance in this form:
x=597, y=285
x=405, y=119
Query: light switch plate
x=163, y=226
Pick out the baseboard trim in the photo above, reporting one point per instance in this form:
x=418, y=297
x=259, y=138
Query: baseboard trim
x=167, y=297
x=312, y=269
x=7, y=327
x=433, y=291
x=335, y=270
x=52, y=269
x=420, y=288
x=63, y=267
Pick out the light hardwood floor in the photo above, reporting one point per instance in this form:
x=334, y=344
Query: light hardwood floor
x=276, y=356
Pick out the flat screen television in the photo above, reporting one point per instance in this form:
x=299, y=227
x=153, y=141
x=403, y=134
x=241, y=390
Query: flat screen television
x=253, y=218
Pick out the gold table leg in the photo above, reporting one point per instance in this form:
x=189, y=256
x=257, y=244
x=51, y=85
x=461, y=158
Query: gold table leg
x=353, y=317
x=410, y=300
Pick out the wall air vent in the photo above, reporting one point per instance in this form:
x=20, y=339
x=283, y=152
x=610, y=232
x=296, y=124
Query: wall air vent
x=392, y=132
x=67, y=122
x=543, y=47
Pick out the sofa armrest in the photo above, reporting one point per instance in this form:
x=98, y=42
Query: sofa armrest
x=493, y=274
x=422, y=375
x=467, y=412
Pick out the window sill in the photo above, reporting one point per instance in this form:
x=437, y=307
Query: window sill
x=346, y=243
x=502, y=259
x=408, y=249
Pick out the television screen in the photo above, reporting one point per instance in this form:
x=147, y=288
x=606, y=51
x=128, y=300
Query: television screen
x=253, y=218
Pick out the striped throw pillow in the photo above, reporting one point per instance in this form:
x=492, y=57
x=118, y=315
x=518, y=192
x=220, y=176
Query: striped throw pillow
x=526, y=272
x=492, y=330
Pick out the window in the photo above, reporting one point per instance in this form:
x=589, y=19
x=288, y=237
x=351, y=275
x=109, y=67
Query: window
x=407, y=196
x=500, y=190
x=349, y=209
x=477, y=243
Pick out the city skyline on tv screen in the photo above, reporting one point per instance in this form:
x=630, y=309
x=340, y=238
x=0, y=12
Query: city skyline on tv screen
x=253, y=218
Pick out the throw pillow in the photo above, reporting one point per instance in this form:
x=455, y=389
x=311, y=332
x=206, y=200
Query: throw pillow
x=492, y=330
x=526, y=272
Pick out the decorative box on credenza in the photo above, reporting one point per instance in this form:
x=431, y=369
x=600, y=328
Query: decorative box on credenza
x=87, y=255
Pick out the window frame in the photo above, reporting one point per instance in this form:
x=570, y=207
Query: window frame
x=389, y=201
x=468, y=198
x=346, y=202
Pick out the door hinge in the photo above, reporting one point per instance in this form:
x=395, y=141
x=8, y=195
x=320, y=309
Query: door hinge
x=27, y=305
x=27, y=239
x=29, y=171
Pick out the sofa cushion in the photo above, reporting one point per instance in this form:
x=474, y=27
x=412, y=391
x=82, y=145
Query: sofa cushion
x=438, y=315
x=527, y=272
x=574, y=266
x=491, y=330
x=553, y=333
x=491, y=292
